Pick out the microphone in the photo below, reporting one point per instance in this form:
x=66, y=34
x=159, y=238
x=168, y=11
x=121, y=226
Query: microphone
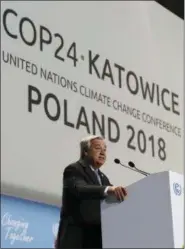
x=131, y=166
x=116, y=160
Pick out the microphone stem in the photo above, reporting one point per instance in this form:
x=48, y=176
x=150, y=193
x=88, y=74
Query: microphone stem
x=128, y=167
x=143, y=172
x=135, y=169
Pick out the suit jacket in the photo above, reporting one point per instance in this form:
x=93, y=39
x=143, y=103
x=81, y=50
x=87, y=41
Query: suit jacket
x=80, y=222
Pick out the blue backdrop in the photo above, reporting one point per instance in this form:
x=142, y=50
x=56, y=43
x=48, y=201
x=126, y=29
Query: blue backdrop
x=26, y=224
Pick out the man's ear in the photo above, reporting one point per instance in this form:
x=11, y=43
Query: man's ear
x=86, y=152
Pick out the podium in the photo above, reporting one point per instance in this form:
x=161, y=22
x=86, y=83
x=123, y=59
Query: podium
x=152, y=216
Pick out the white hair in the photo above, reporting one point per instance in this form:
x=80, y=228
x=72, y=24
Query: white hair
x=85, y=144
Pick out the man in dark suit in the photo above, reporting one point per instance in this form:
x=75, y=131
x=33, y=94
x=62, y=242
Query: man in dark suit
x=84, y=186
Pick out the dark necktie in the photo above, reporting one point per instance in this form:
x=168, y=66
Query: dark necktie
x=98, y=176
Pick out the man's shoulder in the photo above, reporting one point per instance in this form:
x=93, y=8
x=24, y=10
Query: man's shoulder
x=72, y=169
x=74, y=165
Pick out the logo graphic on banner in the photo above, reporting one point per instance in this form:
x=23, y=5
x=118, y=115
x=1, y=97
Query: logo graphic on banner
x=177, y=188
x=15, y=229
x=26, y=224
x=55, y=229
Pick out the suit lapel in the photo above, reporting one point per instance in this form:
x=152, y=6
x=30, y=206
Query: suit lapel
x=91, y=175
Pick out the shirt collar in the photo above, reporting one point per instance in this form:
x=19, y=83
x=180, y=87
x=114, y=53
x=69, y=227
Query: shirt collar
x=93, y=169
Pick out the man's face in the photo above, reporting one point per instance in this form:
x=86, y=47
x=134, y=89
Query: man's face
x=97, y=152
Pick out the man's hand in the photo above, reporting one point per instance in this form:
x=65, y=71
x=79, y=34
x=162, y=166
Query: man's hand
x=119, y=192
